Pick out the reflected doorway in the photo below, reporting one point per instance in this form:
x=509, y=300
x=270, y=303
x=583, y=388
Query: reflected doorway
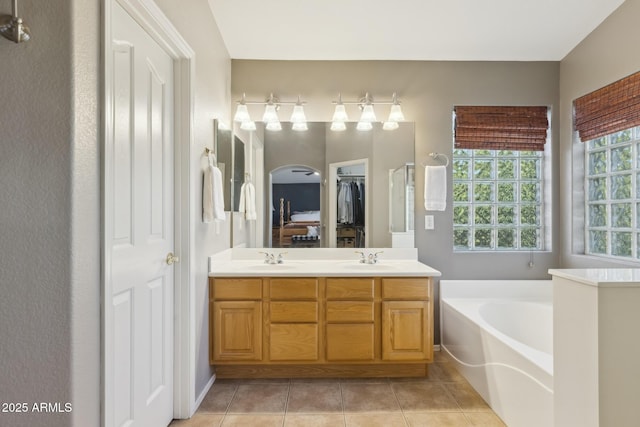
x=295, y=197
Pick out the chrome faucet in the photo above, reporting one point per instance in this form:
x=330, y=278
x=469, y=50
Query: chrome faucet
x=372, y=258
x=271, y=258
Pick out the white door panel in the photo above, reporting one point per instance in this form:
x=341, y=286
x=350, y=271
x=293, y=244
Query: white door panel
x=139, y=225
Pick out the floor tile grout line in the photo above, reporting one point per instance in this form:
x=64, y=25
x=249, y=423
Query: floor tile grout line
x=344, y=415
x=226, y=411
x=399, y=405
x=286, y=403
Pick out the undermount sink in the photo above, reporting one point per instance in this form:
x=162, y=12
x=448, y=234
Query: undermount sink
x=265, y=266
x=365, y=266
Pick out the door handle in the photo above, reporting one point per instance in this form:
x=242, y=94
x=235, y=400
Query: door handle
x=171, y=258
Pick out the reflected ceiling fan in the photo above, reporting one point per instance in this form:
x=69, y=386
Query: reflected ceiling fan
x=307, y=172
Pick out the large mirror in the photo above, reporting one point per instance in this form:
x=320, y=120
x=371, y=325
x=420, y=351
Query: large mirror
x=335, y=189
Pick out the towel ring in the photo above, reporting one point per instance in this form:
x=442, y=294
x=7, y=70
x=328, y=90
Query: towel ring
x=436, y=155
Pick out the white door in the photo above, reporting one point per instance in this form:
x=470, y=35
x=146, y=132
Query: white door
x=139, y=229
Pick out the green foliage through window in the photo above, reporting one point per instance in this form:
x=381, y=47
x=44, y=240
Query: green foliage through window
x=612, y=197
x=497, y=200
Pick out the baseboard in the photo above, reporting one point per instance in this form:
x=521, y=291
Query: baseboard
x=436, y=347
x=200, y=398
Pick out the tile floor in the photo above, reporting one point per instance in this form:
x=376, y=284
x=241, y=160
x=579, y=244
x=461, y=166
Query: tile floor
x=444, y=399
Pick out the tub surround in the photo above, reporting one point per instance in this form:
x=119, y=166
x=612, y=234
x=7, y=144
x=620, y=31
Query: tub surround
x=321, y=313
x=499, y=334
x=596, y=350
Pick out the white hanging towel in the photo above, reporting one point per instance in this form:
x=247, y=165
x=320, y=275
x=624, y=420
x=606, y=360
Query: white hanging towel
x=247, y=205
x=212, y=194
x=435, y=188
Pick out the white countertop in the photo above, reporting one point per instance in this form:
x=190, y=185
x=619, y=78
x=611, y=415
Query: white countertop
x=310, y=262
x=601, y=277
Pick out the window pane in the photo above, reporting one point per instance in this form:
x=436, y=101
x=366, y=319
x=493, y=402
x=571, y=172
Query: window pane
x=482, y=153
x=460, y=192
x=483, y=192
x=621, y=187
x=621, y=244
x=482, y=238
x=598, y=215
x=529, y=215
x=460, y=215
x=529, y=192
x=506, y=153
x=598, y=162
x=528, y=153
x=597, y=189
x=622, y=136
x=506, y=168
x=621, y=159
x=529, y=169
x=529, y=238
x=597, y=143
x=461, y=238
x=482, y=215
x=461, y=169
x=621, y=215
x=507, y=192
x=506, y=215
x=507, y=238
x=598, y=242
x=483, y=169
x=461, y=153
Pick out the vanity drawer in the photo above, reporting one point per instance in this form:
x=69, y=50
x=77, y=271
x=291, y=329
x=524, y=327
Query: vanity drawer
x=350, y=288
x=294, y=311
x=293, y=288
x=405, y=288
x=349, y=311
x=236, y=289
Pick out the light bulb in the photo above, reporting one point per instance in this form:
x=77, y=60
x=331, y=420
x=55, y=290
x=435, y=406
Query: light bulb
x=395, y=115
x=340, y=114
x=298, y=115
x=270, y=114
x=368, y=115
x=242, y=114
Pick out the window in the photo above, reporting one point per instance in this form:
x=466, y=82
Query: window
x=608, y=122
x=497, y=200
x=612, y=187
x=498, y=185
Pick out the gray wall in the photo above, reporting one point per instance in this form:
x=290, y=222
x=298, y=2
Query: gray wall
x=608, y=54
x=428, y=92
x=49, y=221
x=50, y=196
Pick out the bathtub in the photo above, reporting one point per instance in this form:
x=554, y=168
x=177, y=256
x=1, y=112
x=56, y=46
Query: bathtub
x=500, y=336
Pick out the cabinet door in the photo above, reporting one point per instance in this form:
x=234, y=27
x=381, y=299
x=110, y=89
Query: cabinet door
x=354, y=341
x=406, y=334
x=290, y=341
x=237, y=330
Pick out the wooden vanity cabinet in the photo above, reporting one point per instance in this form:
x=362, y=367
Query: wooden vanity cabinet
x=350, y=319
x=325, y=326
x=407, y=320
x=235, y=307
x=293, y=319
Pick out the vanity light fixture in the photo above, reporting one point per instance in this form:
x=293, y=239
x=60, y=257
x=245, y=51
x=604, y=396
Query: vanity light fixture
x=368, y=115
x=270, y=116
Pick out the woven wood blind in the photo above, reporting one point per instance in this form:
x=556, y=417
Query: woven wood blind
x=610, y=109
x=501, y=128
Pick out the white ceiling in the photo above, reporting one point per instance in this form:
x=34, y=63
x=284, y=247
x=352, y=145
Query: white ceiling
x=485, y=30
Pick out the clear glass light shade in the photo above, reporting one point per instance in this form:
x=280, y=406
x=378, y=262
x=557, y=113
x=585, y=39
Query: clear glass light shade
x=338, y=126
x=273, y=126
x=301, y=126
x=395, y=115
x=340, y=114
x=270, y=114
x=298, y=115
x=364, y=126
x=242, y=114
x=390, y=125
x=368, y=115
x=248, y=125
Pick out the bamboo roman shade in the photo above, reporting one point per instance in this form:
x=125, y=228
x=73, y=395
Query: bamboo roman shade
x=610, y=109
x=501, y=128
